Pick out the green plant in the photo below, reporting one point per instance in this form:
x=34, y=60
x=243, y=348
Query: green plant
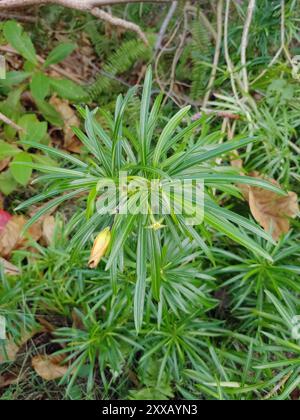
x=173, y=310
x=147, y=155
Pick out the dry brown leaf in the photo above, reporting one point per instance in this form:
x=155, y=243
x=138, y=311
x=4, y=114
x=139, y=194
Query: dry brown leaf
x=48, y=229
x=11, y=378
x=36, y=231
x=9, y=269
x=49, y=367
x=271, y=210
x=4, y=164
x=10, y=236
x=9, y=348
x=8, y=351
x=70, y=118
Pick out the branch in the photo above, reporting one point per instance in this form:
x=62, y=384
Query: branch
x=23, y=18
x=165, y=25
x=91, y=6
x=73, y=4
x=8, y=121
x=115, y=21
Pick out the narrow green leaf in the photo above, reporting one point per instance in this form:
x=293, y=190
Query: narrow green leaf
x=145, y=105
x=141, y=276
x=154, y=246
x=167, y=133
x=56, y=153
x=119, y=237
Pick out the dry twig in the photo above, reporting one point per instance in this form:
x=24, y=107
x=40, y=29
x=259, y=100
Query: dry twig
x=91, y=6
x=9, y=122
x=165, y=25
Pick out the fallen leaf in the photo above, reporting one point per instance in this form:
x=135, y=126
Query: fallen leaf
x=4, y=164
x=71, y=143
x=10, y=378
x=9, y=269
x=49, y=367
x=10, y=236
x=9, y=348
x=273, y=211
x=36, y=231
x=269, y=209
x=4, y=219
x=8, y=351
x=48, y=229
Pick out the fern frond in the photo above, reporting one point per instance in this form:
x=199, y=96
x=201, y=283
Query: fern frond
x=201, y=50
x=120, y=62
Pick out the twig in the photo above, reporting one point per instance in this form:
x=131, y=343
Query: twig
x=245, y=40
x=221, y=114
x=22, y=18
x=73, y=4
x=164, y=48
x=91, y=6
x=165, y=25
x=217, y=52
x=9, y=122
x=115, y=21
x=177, y=56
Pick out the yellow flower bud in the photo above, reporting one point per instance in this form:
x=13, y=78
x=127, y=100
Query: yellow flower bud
x=100, y=247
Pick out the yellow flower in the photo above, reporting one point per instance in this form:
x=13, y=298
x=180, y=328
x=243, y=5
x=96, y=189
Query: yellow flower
x=100, y=247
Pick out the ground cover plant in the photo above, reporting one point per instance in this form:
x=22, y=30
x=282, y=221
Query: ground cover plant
x=150, y=303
